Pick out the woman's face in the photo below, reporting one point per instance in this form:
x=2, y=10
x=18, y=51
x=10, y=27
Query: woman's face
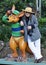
x=27, y=14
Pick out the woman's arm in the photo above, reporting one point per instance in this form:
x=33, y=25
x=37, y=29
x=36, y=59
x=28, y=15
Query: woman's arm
x=35, y=21
x=21, y=23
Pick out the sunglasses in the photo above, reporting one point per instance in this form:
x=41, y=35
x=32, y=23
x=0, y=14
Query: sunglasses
x=28, y=12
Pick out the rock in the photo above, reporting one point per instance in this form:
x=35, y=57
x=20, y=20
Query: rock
x=4, y=49
x=44, y=53
x=9, y=59
x=1, y=45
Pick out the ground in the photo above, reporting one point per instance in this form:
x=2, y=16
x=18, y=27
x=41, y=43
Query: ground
x=5, y=50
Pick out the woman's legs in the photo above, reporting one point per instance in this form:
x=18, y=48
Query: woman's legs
x=34, y=48
x=38, y=47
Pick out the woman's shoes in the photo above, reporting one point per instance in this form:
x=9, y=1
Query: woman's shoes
x=39, y=60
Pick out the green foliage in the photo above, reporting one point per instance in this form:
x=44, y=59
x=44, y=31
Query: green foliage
x=42, y=26
x=43, y=20
x=5, y=32
x=43, y=8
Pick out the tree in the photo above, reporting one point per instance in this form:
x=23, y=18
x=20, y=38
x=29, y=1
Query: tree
x=43, y=8
x=38, y=7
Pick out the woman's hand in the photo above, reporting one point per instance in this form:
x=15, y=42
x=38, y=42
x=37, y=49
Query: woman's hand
x=22, y=31
x=8, y=12
x=21, y=23
x=29, y=27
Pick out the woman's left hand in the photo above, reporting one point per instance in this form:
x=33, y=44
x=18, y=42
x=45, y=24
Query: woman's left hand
x=29, y=27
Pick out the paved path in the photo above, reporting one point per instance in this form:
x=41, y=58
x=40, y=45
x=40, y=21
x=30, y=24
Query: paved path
x=30, y=62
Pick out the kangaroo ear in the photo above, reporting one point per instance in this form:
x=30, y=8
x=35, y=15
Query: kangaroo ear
x=21, y=14
x=13, y=7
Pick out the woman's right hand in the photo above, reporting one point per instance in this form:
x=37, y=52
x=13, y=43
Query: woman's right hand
x=8, y=12
x=22, y=31
x=21, y=23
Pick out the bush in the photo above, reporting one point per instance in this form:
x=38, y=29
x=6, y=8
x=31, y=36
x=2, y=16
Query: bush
x=42, y=26
x=42, y=20
x=5, y=32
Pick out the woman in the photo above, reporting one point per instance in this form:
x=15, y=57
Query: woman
x=32, y=33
